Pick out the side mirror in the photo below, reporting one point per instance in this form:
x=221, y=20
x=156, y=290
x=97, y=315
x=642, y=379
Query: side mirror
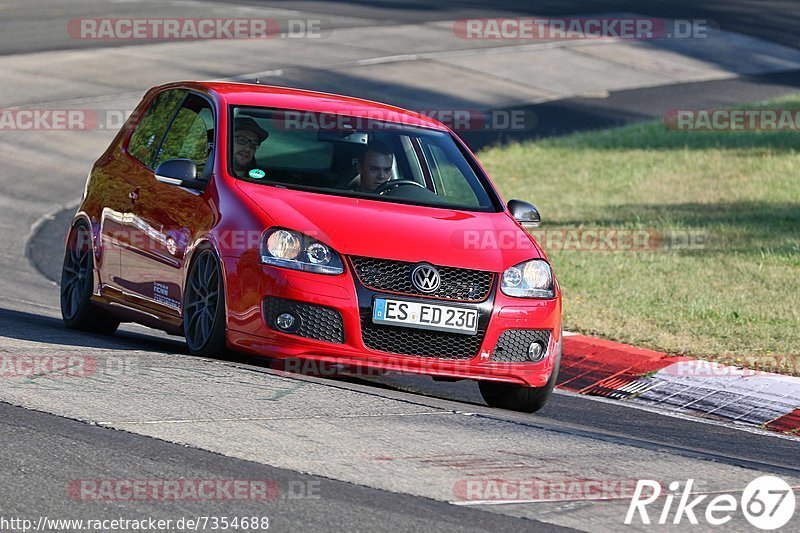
x=181, y=172
x=524, y=213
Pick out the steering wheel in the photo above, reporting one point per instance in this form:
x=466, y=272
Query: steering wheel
x=391, y=184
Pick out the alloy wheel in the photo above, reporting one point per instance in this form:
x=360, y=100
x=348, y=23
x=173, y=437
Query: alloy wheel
x=77, y=271
x=202, y=301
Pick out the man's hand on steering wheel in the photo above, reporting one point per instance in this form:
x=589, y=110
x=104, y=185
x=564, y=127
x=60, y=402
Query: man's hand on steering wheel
x=392, y=184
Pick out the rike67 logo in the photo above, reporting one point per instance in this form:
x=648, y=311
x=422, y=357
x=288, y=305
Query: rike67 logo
x=768, y=503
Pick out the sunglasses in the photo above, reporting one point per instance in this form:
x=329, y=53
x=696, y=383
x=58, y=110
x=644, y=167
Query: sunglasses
x=242, y=141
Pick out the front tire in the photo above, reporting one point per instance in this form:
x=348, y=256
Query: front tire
x=520, y=397
x=77, y=284
x=204, y=306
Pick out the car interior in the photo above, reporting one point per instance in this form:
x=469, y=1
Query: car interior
x=308, y=156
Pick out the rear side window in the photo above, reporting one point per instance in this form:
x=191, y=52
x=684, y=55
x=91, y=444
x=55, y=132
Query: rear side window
x=191, y=135
x=147, y=136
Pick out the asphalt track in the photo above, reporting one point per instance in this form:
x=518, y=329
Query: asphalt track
x=38, y=26
x=345, y=507
x=384, y=453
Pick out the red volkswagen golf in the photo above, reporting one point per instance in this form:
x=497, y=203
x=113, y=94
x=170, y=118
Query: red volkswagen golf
x=308, y=226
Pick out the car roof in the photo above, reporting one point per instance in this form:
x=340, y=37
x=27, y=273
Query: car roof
x=251, y=94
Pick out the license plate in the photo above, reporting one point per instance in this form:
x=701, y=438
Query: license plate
x=421, y=315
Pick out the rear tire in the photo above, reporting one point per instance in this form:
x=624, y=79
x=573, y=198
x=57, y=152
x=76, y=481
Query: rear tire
x=520, y=397
x=204, y=306
x=77, y=285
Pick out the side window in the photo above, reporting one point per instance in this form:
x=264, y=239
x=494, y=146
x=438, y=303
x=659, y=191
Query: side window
x=448, y=179
x=191, y=135
x=298, y=150
x=148, y=133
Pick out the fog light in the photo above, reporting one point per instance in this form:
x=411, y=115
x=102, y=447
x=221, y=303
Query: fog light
x=535, y=351
x=285, y=321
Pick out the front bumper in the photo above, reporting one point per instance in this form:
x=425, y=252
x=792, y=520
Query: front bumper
x=250, y=284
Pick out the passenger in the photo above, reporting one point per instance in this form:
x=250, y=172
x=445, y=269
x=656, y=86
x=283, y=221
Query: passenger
x=247, y=137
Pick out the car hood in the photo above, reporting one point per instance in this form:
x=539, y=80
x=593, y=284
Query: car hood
x=371, y=228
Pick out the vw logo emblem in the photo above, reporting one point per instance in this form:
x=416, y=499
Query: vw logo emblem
x=425, y=278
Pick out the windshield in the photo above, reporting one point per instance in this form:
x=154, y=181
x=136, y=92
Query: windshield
x=337, y=154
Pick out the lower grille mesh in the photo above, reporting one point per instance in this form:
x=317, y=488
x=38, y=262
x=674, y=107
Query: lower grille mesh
x=316, y=322
x=512, y=346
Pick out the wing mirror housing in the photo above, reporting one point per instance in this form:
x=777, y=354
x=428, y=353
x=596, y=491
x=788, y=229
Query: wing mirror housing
x=524, y=213
x=180, y=172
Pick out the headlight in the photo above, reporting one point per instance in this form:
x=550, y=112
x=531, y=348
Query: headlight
x=531, y=279
x=291, y=249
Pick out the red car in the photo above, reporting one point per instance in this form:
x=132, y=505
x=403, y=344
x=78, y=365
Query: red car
x=316, y=228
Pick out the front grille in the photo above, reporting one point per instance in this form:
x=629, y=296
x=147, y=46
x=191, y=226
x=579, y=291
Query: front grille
x=512, y=346
x=316, y=322
x=419, y=342
x=458, y=284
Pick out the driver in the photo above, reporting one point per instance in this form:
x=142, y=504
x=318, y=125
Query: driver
x=374, y=167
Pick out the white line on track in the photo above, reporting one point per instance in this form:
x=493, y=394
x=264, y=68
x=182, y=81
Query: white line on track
x=258, y=418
